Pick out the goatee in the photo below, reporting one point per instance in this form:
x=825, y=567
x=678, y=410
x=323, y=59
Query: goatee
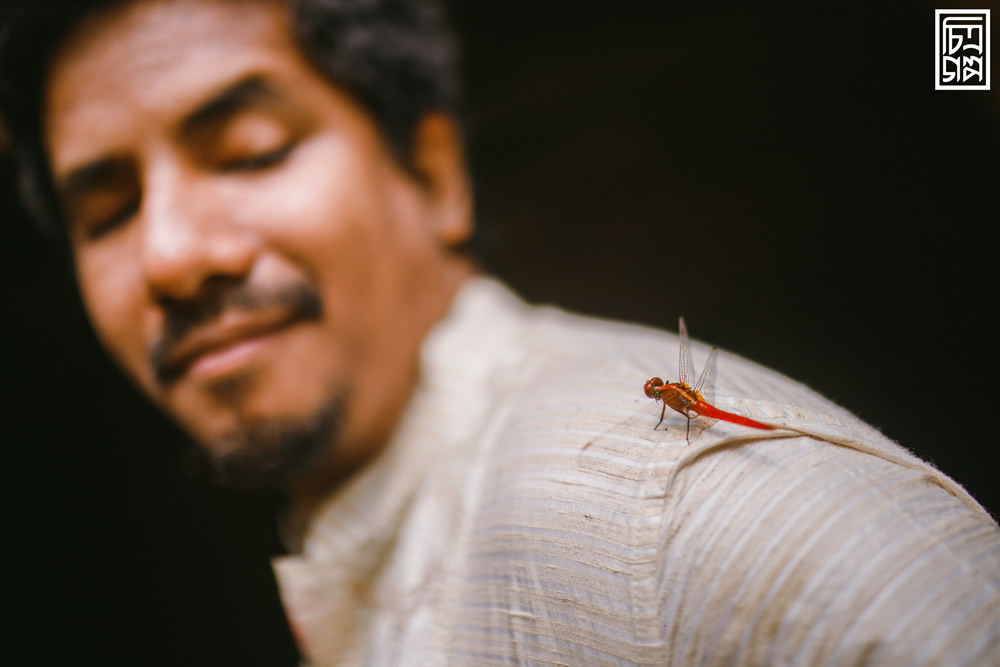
x=273, y=453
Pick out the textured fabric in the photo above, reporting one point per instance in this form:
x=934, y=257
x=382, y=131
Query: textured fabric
x=526, y=511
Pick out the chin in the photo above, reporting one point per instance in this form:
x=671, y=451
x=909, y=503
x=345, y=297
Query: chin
x=272, y=453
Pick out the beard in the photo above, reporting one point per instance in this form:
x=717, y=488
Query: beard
x=270, y=454
x=261, y=452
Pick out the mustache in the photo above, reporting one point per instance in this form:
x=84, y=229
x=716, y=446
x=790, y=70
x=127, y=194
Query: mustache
x=301, y=301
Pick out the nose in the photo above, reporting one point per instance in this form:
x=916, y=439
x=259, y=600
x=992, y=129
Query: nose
x=192, y=238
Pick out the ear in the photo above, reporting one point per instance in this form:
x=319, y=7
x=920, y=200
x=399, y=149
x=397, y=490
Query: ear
x=439, y=159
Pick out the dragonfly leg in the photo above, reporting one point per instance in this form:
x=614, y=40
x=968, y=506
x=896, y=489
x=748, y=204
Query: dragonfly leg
x=662, y=412
x=687, y=433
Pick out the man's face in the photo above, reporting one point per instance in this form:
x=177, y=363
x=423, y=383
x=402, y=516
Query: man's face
x=246, y=246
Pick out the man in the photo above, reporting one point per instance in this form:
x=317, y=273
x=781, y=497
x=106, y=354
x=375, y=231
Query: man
x=272, y=250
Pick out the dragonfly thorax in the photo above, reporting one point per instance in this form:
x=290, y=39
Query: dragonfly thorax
x=676, y=395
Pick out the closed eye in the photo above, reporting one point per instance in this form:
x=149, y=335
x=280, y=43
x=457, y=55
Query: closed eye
x=109, y=224
x=257, y=162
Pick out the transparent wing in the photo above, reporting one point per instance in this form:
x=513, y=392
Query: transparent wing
x=685, y=367
x=706, y=383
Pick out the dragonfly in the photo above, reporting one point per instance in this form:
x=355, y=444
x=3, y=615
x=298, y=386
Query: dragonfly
x=694, y=401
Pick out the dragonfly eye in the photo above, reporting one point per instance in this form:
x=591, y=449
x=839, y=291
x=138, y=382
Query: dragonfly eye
x=651, y=386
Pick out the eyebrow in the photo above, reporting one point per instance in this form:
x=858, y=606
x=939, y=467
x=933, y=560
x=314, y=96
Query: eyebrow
x=247, y=92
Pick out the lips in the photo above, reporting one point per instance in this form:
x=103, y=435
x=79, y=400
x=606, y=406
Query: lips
x=222, y=347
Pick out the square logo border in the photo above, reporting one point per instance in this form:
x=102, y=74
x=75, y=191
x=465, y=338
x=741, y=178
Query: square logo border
x=937, y=49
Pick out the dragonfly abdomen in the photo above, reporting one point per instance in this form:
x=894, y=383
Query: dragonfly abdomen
x=712, y=412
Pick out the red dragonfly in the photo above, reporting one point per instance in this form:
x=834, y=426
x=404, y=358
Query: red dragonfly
x=697, y=401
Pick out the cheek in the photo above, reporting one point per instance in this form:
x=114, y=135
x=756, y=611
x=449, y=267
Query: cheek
x=330, y=213
x=112, y=294
x=321, y=195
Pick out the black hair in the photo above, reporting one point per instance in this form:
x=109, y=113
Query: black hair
x=395, y=57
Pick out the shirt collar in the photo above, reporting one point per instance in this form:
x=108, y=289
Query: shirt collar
x=458, y=358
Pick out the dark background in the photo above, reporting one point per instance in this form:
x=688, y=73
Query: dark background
x=786, y=178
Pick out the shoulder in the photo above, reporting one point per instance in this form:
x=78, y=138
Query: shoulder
x=839, y=544
x=586, y=374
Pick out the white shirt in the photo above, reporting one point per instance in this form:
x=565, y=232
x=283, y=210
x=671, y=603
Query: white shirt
x=527, y=511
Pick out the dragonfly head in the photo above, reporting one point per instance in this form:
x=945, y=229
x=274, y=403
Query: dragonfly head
x=651, y=387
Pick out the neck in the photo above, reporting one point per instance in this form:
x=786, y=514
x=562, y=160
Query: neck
x=375, y=406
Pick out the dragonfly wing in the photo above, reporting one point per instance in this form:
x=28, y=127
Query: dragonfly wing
x=706, y=383
x=685, y=367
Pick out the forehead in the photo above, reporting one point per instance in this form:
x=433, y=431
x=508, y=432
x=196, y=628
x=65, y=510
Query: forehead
x=124, y=72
